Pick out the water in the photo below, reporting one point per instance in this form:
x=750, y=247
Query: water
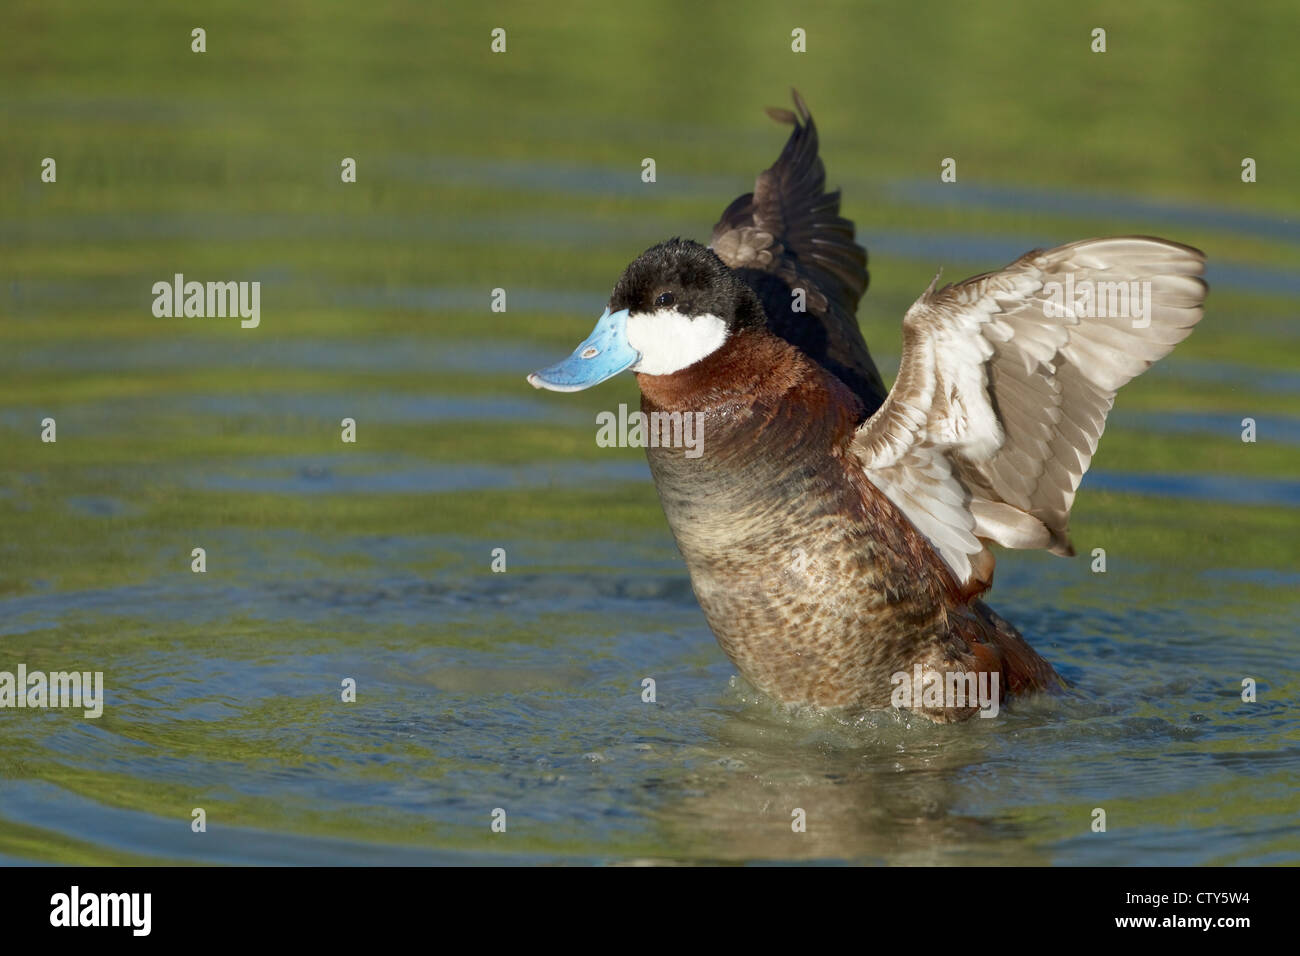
x=523, y=690
x=372, y=562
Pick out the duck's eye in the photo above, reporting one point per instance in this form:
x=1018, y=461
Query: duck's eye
x=665, y=299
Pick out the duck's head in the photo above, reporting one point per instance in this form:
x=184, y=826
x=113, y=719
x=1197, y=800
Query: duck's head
x=674, y=304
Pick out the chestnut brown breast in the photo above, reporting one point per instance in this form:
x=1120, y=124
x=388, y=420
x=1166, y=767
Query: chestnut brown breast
x=813, y=583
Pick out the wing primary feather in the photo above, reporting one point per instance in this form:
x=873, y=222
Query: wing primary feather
x=1018, y=383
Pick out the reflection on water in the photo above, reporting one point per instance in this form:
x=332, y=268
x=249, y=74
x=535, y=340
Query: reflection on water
x=1229, y=488
x=373, y=562
x=523, y=691
x=1093, y=204
x=297, y=290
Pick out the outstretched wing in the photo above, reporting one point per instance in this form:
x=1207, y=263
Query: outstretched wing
x=787, y=235
x=1005, y=383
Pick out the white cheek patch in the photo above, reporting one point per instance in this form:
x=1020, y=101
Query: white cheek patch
x=669, y=341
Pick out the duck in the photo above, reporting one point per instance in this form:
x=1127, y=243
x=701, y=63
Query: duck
x=838, y=535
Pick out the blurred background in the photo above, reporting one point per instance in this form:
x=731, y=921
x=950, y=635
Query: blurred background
x=522, y=690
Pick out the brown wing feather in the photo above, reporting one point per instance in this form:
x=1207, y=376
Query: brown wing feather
x=788, y=234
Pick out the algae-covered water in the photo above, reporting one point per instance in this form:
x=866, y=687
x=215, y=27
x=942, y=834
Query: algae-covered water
x=521, y=690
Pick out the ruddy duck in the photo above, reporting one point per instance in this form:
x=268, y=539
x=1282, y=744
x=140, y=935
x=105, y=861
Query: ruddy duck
x=837, y=535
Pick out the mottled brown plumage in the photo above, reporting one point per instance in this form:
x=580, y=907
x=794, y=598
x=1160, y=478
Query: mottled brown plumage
x=814, y=584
